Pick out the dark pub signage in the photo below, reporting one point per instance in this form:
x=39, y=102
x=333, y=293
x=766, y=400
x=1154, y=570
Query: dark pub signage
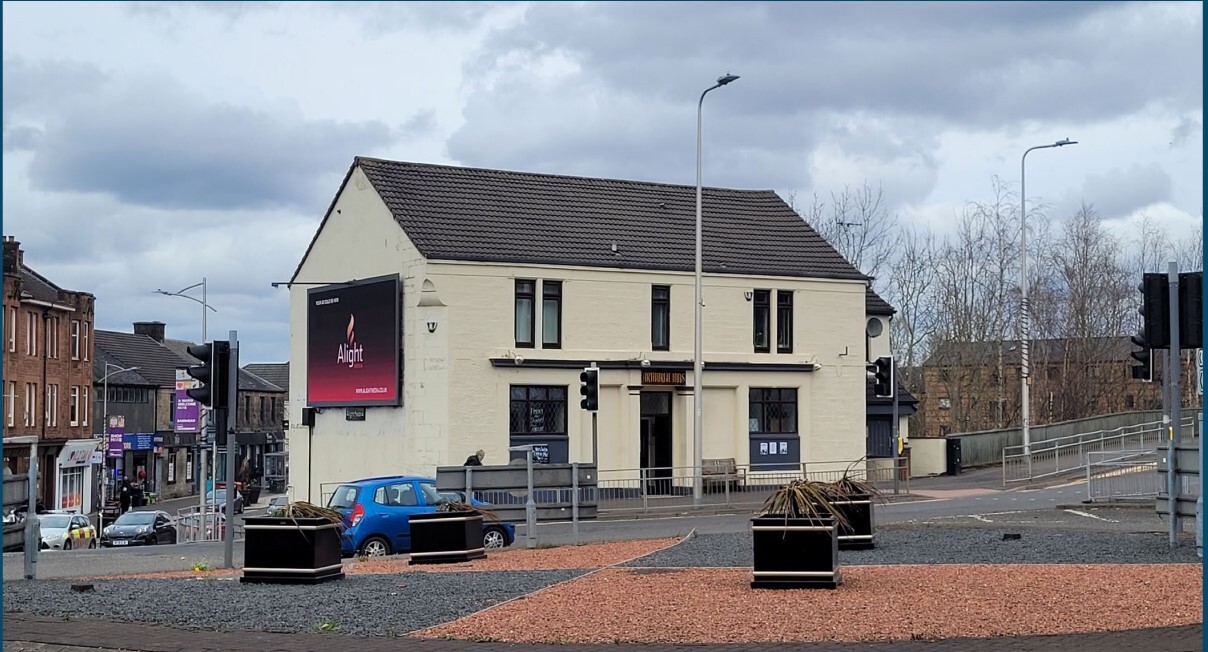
x=657, y=377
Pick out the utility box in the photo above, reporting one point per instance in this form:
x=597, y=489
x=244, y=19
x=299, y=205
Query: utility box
x=16, y=495
x=954, y=456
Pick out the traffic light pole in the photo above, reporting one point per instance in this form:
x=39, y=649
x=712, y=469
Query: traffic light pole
x=228, y=430
x=896, y=434
x=1173, y=371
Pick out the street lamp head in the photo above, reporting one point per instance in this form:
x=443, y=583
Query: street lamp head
x=1065, y=141
x=726, y=79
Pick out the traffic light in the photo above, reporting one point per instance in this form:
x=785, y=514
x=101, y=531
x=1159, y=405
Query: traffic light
x=1155, y=310
x=883, y=382
x=213, y=372
x=589, y=387
x=1191, y=305
x=1143, y=370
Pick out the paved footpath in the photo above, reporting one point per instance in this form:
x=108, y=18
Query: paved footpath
x=24, y=633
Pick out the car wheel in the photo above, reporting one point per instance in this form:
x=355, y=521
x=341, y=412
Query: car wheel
x=494, y=538
x=67, y=544
x=375, y=547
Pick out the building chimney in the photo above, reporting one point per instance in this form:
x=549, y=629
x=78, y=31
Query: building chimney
x=13, y=258
x=152, y=329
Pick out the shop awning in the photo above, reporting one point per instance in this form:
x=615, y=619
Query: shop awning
x=78, y=453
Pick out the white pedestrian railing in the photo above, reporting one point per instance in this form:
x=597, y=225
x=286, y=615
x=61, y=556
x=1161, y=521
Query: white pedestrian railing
x=1112, y=475
x=192, y=526
x=1052, y=457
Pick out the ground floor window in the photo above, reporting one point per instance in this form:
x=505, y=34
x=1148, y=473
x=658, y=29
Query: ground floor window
x=772, y=426
x=189, y=466
x=172, y=466
x=538, y=417
x=71, y=488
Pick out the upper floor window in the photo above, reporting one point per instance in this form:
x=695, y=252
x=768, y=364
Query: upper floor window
x=75, y=406
x=52, y=405
x=526, y=309
x=87, y=330
x=31, y=404
x=52, y=337
x=84, y=406
x=551, y=314
x=660, y=317
x=763, y=319
x=12, y=330
x=784, y=321
x=31, y=333
x=75, y=339
x=11, y=402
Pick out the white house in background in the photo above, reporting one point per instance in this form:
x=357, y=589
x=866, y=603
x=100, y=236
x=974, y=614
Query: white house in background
x=442, y=310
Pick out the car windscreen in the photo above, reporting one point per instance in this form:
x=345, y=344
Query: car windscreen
x=220, y=495
x=135, y=518
x=344, y=497
x=54, y=521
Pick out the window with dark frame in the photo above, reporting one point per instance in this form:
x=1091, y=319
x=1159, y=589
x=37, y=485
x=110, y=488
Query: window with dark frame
x=784, y=321
x=551, y=314
x=773, y=411
x=538, y=410
x=762, y=324
x=660, y=317
x=526, y=306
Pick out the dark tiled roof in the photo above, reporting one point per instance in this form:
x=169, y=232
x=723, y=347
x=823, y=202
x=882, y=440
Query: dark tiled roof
x=156, y=362
x=1093, y=349
x=276, y=373
x=455, y=213
x=37, y=286
x=101, y=357
x=875, y=305
x=247, y=381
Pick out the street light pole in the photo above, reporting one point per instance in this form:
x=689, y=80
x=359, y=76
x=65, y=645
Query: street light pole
x=201, y=471
x=1025, y=330
x=697, y=359
x=100, y=515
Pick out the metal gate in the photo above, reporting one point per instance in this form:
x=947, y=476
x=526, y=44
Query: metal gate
x=1122, y=474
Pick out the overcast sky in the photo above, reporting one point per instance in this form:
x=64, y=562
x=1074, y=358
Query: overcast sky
x=147, y=145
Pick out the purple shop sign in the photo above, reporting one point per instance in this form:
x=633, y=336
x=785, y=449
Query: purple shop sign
x=115, y=432
x=187, y=411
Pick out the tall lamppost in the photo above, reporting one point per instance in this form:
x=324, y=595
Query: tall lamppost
x=100, y=519
x=1025, y=331
x=697, y=361
x=214, y=447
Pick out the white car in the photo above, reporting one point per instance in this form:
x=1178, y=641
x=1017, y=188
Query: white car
x=66, y=531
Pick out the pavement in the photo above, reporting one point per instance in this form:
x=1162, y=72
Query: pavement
x=24, y=633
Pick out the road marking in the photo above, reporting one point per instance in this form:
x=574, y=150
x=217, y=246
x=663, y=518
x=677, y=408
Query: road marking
x=1089, y=515
x=981, y=518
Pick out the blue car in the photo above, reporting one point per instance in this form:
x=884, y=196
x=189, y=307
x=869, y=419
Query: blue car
x=377, y=514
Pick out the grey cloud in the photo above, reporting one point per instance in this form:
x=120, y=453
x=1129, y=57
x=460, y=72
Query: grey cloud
x=34, y=87
x=180, y=151
x=21, y=138
x=1187, y=129
x=1120, y=192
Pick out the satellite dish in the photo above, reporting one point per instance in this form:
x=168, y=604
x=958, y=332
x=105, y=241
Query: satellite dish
x=874, y=327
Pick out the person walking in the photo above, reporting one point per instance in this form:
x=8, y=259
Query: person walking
x=125, y=493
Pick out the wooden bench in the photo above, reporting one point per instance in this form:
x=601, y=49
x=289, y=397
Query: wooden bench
x=721, y=470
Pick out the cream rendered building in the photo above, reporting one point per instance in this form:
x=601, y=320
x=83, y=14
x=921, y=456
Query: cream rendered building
x=512, y=282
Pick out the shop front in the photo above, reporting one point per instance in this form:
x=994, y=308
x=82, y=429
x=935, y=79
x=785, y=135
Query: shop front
x=73, y=469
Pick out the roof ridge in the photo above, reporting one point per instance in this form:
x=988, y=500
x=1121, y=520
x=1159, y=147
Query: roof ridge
x=41, y=278
x=549, y=175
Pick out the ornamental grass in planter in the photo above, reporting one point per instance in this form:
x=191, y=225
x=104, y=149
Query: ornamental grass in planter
x=299, y=545
x=453, y=533
x=853, y=499
x=795, y=538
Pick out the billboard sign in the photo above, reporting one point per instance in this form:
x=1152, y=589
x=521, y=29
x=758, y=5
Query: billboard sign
x=352, y=343
x=187, y=411
x=115, y=431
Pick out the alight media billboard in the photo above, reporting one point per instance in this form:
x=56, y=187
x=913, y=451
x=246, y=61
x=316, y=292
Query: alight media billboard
x=352, y=343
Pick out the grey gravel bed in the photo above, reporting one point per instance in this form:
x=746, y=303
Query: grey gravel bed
x=373, y=605
x=952, y=546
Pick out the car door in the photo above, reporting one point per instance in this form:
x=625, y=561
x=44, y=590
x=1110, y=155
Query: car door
x=81, y=532
x=164, y=532
x=397, y=501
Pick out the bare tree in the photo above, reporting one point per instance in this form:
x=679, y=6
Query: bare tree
x=859, y=226
x=909, y=289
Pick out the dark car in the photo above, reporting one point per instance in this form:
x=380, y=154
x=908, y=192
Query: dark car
x=139, y=529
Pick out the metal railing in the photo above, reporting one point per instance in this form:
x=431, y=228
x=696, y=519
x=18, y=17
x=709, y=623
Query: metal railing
x=1113, y=475
x=192, y=526
x=1065, y=454
x=670, y=488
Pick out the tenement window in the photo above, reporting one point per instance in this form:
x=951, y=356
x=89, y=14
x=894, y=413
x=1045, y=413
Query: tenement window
x=525, y=312
x=551, y=314
x=784, y=321
x=660, y=317
x=763, y=318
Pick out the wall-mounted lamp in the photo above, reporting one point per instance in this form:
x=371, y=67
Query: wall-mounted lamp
x=431, y=326
x=519, y=360
x=748, y=295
